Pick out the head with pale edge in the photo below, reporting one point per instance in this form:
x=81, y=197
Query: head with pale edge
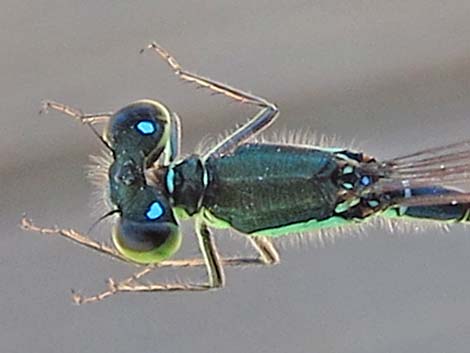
x=147, y=231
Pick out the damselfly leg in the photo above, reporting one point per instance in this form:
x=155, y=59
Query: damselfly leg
x=214, y=266
x=87, y=119
x=211, y=260
x=267, y=255
x=74, y=112
x=254, y=126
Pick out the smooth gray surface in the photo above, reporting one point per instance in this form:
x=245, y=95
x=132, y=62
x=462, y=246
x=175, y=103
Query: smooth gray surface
x=392, y=76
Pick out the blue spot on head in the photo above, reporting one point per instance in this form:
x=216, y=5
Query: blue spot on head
x=155, y=211
x=365, y=180
x=146, y=127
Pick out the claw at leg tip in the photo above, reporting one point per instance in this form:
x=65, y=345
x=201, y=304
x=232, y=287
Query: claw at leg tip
x=26, y=223
x=44, y=107
x=149, y=46
x=76, y=298
x=111, y=285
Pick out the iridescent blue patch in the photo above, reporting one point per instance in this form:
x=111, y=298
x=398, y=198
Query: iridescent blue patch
x=146, y=127
x=155, y=211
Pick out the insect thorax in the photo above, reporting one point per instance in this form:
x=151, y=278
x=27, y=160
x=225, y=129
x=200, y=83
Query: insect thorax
x=186, y=183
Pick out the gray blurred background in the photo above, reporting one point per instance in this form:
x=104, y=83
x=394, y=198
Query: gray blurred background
x=393, y=76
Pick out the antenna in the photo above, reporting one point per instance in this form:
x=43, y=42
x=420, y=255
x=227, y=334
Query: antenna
x=110, y=213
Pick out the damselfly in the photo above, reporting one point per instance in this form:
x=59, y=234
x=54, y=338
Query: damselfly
x=262, y=190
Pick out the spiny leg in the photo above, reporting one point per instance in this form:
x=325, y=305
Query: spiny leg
x=268, y=254
x=86, y=241
x=255, y=125
x=215, y=86
x=212, y=261
x=87, y=119
x=214, y=268
x=74, y=112
x=28, y=225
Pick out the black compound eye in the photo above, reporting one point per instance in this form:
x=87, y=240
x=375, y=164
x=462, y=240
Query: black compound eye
x=146, y=242
x=140, y=130
x=147, y=231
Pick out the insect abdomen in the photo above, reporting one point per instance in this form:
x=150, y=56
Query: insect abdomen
x=459, y=212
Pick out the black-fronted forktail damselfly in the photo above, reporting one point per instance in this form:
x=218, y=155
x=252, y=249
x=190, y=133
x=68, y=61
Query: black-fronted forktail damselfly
x=262, y=190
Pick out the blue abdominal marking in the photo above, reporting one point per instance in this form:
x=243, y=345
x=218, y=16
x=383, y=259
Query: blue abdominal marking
x=146, y=127
x=365, y=180
x=348, y=170
x=373, y=203
x=155, y=211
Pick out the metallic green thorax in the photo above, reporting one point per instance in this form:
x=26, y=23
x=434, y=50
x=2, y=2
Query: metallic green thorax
x=260, y=186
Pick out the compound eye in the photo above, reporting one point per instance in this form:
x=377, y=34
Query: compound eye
x=147, y=231
x=146, y=242
x=140, y=130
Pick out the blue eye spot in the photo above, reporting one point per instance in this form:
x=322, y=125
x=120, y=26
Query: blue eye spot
x=146, y=127
x=365, y=180
x=155, y=211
